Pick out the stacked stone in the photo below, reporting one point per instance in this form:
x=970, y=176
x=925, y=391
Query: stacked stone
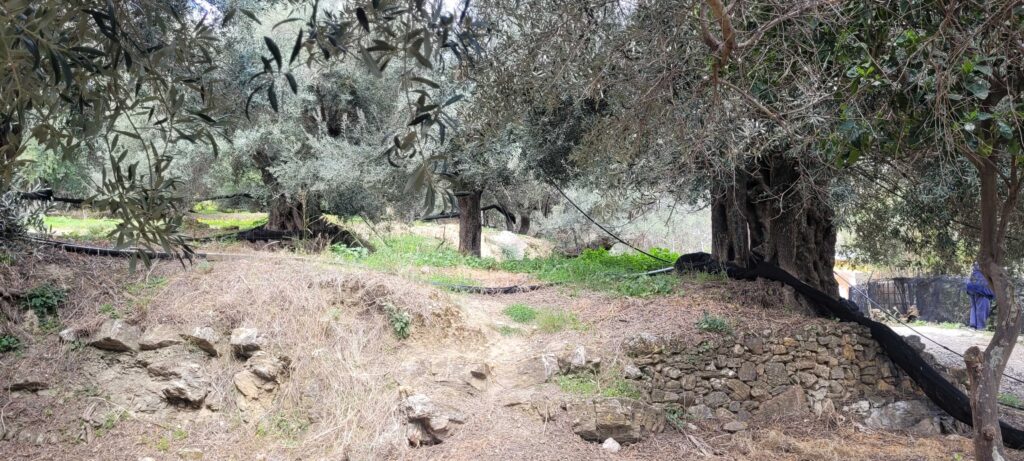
x=733, y=376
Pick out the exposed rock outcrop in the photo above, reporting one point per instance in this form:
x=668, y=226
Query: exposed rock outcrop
x=117, y=336
x=623, y=419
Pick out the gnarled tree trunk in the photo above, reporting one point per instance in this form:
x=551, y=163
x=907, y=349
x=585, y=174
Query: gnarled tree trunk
x=470, y=230
x=524, y=223
x=767, y=212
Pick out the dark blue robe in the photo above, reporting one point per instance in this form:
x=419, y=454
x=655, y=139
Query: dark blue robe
x=981, y=298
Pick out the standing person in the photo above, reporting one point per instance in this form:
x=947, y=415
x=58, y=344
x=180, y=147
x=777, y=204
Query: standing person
x=981, y=298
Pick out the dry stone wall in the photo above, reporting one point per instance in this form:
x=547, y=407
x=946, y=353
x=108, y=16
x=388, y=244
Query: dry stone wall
x=814, y=367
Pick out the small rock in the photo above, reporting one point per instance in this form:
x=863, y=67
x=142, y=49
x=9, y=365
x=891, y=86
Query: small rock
x=248, y=384
x=158, y=337
x=268, y=367
x=611, y=445
x=735, y=426
x=70, y=335
x=429, y=423
x=699, y=412
x=631, y=371
x=117, y=336
x=792, y=400
x=204, y=338
x=245, y=342
x=185, y=386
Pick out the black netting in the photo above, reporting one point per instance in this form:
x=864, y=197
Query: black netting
x=937, y=299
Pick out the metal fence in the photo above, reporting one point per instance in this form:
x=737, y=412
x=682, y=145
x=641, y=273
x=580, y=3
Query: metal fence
x=938, y=299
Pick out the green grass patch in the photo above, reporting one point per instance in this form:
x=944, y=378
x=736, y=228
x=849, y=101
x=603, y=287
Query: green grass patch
x=110, y=310
x=713, y=324
x=241, y=221
x=521, y=313
x=445, y=279
x=1010, y=400
x=943, y=325
x=83, y=228
x=599, y=270
x=621, y=388
x=506, y=330
x=582, y=384
x=555, y=320
x=401, y=251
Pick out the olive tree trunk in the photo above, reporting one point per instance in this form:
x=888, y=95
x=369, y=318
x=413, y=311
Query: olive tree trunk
x=470, y=229
x=763, y=213
x=985, y=369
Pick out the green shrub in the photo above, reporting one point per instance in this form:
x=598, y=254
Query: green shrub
x=713, y=324
x=9, y=343
x=44, y=300
x=506, y=330
x=346, y=252
x=520, y=313
x=109, y=310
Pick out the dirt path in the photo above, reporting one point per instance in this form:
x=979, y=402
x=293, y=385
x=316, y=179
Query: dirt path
x=959, y=340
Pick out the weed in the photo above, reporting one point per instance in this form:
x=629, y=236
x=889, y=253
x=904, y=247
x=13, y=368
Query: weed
x=553, y=321
x=110, y=422
x=44, y=300
x=506, y=330
x=346, y=252
x=149, y=283
x=520, y=313
x=713, y=324
x=163, y=445
x=179, y=434
x=51, y=325
x=6, y=259
x=401, y=322
x=1010, y=400
x=641, y=287
x=583, y=384
x=9, y=343
x=282, y=425
x=204, y=267
x=621, y=388
x=676, y=417
x=109, y=310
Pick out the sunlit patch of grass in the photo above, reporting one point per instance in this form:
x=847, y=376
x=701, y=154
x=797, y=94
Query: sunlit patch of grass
x=599, y=270
x=241, y=221
x=520, y=313
x=555, y=320
x=446, y=279
x=84, y=228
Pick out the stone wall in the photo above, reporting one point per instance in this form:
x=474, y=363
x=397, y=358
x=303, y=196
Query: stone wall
x=817, y=367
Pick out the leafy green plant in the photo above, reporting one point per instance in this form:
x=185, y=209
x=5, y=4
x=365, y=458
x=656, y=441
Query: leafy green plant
x=343, y=251
x=9, y=343
x=621, y=388
x=109, y=310
x=400, y=321
x=676, y=417
x=44, y=300
x=521, y=313
x=713, y=324
x=581, y=383
x=6, y=259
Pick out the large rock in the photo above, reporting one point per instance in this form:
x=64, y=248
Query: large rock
x=116, y=335
x=429, y=423
x=791, y=401
x=623, y=419
x=158, y=337
x=262, y=375
x=205, y=338
x=902, y=415
x=183, y=384
x=245, y=342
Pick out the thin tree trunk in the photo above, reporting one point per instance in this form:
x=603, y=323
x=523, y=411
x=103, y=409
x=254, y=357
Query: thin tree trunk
x=524, y=223
x=985, y=369
x=470, y=230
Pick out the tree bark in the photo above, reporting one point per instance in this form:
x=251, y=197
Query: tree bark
x=470, y=230
x=985, y=369
x=764, y=212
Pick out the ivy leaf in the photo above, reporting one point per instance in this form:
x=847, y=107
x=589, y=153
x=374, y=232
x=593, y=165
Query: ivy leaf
x=979, y=88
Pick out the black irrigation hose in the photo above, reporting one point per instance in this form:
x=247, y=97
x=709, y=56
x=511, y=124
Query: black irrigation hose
x=111, y=252
x=616, y=237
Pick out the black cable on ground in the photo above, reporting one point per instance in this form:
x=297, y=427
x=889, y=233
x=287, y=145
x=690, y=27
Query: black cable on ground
x=616, y=237
x=100, y=251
